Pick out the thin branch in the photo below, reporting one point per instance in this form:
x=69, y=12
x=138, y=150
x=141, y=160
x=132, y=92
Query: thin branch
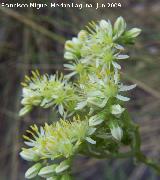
x=142, y=85
x=32, y=24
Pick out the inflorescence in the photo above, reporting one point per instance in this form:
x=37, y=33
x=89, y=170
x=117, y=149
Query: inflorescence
x=90, y=100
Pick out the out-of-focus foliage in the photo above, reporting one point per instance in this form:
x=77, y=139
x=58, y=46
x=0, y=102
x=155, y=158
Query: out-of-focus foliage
x=25, y=46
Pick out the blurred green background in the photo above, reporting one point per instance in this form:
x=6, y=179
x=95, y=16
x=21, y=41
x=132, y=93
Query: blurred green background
x=34, y=39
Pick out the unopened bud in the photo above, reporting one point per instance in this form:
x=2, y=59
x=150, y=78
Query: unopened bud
x=69, y=45
x=117, y=109
x=62, y=167
x=76, y=41
x=33, y=171
x=82, y=35
x=117, y=132
x=104, y=24
x=134, y=32
x=47, y=171
x=69, y=55
x=29, y=155
x=119, y=26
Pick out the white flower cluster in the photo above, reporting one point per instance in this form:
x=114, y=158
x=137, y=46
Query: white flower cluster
x=96, y=96
x=94, y=58
x=47, y=91
x=58, y=141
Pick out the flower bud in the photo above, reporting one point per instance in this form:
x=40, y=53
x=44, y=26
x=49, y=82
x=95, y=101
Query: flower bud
x=96, y=120
x=69, y=45
x=26, y=92
x=116, y=132
x=62, y=167
x=90, y=140
x=106, y=26
x=134, y=32
x=117, y=109
x=29, y=155
x=69, y=55
x=33, y=171
x=119, y=26
x=82, y=35
x=103, y=24
x=25, y=110
x=47, y=171
x=76, y=41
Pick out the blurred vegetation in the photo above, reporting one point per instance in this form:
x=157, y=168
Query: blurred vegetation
x=33, y=39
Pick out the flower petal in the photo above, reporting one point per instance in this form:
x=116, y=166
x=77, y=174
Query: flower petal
x=122, y=98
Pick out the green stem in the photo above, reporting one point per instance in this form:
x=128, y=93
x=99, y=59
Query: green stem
x=136, y=144
x=105, y=154
x=142, y=158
